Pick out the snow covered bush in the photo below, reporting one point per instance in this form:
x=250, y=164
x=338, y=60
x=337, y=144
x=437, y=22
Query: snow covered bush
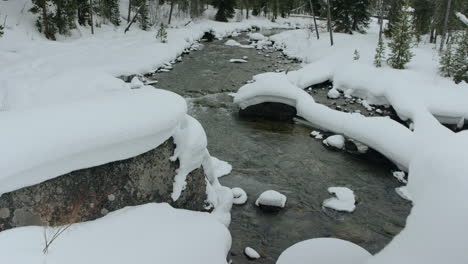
x=379, y=54
x=356, y=55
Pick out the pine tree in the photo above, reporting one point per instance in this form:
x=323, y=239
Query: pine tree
x=225, y=9
x=356, y=55
x=394, y=10
x=143, y=16
x=422, y=16
x=400, y=44
x=110, y=10
x=460, y=60
x=350, y=15
x=162, y=33
x=446, y=60
x=379, y=54
x=1, y=30
x=44, y=22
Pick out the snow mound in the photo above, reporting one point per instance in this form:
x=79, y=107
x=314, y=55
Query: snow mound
x=240, y=196
x=324, y=251
x=251, y=253
x=146, y=234
x=336, y=141
x=344, y=200
x=271, y=198
x=333, y=94
x=403, y=193
x=256, y=36
x=232, y=42
x=400, y=176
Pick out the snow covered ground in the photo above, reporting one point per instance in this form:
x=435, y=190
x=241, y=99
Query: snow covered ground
x=142, y=234
x=431, y=153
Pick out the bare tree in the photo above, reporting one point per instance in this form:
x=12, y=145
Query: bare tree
x=91, y=15
x=315, y=21
x=444, y=29
x=329, y=22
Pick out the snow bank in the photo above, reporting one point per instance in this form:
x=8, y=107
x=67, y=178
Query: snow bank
x=144, y=234
x=343, y=200
x=324, y=251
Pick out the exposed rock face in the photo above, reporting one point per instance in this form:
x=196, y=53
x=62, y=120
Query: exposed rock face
x=270, y=111
x=91, y=193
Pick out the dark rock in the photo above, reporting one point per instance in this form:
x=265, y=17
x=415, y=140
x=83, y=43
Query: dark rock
x=91, y=193
x=270, y=111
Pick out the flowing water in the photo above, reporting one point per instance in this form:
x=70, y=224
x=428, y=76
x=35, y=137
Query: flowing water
x=282, y=156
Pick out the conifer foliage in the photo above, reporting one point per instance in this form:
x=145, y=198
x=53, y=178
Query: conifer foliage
x=350, y=15
x=225, y=9
x=1, y=30
x=460, y=60
x=379, y=54
x=446, y=59
x=400, y=44
x=356, y=55
x=162, y=33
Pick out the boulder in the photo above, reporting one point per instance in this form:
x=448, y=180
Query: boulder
x=90, y=193
x=270, y=111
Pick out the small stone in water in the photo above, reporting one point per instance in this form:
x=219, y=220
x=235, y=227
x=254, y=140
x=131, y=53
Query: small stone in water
x=251, y=253
x=271, y=200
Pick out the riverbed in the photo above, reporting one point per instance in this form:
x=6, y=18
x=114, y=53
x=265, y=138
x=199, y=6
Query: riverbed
x=282, y=156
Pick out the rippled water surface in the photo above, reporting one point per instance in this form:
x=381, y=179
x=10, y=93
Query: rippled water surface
x=282, y=156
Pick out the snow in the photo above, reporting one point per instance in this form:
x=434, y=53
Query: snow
x=232, y=42
x=256, y=36
x=324, y=251
x=400, y=176
x=403, y=193
x=237, y=60
x=336, y=141
x=142, y=234
x=333, y=94
x=343, y=200
x=136, y=83
x=240, y=196
x=271, y=198
x=434, y=155
x=251, y=253
x=462, y=18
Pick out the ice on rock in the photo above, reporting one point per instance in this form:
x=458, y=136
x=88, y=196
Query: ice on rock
x=343, y=201
x=239, y=195
x=232, y=42
x=314, y=133
x=251, y=253
x=136, y=83
x=271, y=198
x=336, y=141
x=324, y=251
x=403, y=193
x=245, y=58
x=237, y=61
x=400, y=176
x=333, y=94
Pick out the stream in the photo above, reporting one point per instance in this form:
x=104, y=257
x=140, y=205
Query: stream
x=282, y=156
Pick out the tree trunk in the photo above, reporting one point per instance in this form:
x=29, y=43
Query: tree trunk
x=315, y=21
x=381, y=19
x=91, y=15
x=133, y=20
x=247, y=12
x=129, y=10
x=444, y=29
x=329, y=22
x=170, y=12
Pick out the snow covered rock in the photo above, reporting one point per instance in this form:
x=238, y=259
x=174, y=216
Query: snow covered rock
x=343, y=201
x=251, y=253
x=400, y=176
x=240, y=196
x=232, y=42
x=324, y=251
x=256, y=36
x=271, y=200
x=336, y=142
x=355, y=147
x=333, y=94
x=136, y=83
x=237, y=61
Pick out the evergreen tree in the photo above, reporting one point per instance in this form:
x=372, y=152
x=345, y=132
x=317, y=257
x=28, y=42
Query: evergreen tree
x=350, y=15
x=394, y=9
x=446, y=59
x=225, y=9
x=400, y=44
x=162, y=33
x=379, y=54
x=143, y=16
x=460, y=60
x=44, y=22
x=1, y=30
x=356, y=55
x=110, y=10
x=422, y=16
